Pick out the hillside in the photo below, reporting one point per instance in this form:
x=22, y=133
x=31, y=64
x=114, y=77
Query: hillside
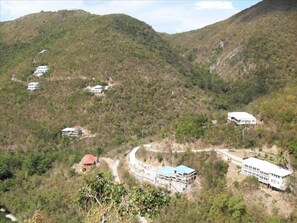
x=83, y=49
x=250, y=60
x=255, y=38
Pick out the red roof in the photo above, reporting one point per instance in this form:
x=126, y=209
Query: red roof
x=89, y=159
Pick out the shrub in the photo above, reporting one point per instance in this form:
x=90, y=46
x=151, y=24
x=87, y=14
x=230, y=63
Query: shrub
x=250, y=183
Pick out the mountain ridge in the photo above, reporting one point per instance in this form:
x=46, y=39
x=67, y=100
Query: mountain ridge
x=230, y=46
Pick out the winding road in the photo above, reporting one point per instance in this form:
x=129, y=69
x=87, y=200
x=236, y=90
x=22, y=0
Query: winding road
x=224, y=153
x=117, y=179
x=145, y=172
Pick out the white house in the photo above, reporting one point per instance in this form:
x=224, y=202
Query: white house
x=72, y=132
x=42, y=51
x=97, y=89
x=241, y=118
x=178, y=178
x=40, y=70
x=33, y=86
x=268, y=173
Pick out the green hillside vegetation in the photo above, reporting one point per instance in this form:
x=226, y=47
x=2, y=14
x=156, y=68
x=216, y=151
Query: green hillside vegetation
x=150, y=91
x=83, y=49
x=252, y=51
x=278, y=112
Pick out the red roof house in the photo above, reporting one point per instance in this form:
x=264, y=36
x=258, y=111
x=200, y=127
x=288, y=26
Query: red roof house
x=88, y=161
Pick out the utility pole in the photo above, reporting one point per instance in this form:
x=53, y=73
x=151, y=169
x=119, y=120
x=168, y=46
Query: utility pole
x=243, y=134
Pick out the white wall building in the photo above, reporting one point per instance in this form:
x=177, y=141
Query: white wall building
x=33, y=86
x=72, y=132
x=40, y=70
x=241, y=118
x=266, y=172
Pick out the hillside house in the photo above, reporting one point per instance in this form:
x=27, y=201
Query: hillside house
x=98, y=89
x=241, y=118
x=42, y=51
x=72, y=132
x=88, y=161
x=40, y=70
x=266, y=172
x=33, y=86
x=178, y=178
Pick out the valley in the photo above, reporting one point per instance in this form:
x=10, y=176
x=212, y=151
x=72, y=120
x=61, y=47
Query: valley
x=159, y=101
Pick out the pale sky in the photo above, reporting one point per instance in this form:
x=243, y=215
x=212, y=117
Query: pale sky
x=170, y=16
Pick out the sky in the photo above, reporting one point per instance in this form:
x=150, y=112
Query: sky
x=170, y=16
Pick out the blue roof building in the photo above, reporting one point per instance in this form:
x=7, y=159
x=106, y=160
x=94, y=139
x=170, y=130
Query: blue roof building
x=181, y=174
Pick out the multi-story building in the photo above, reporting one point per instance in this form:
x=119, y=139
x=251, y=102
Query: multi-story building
x=178, y=178
x=267, y=173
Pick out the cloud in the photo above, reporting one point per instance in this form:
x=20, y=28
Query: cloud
x=162, y=15
x=217, y=5
x=11, y=9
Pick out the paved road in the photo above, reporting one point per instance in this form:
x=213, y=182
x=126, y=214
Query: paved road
x=118, y=180
x=222, y=152
x=115, y=171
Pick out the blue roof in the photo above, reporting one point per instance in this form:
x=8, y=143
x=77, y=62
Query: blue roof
x=166, y=171
x=169, y=170
x=184, y=169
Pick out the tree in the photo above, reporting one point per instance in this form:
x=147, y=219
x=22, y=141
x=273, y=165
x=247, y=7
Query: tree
x=190, y=128
x=115, y=200
x=39, y=217
x=38, y=163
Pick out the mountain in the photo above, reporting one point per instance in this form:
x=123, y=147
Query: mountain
x=150, y=85
x=256, y=38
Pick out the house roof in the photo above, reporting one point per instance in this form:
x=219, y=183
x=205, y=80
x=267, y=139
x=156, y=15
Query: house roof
x=68, y=129
x=42, y=67
x=169, y=170
x=166, y=171
x=184, y=169
x=42, y=51
x=33, y=83
x=89, y=159
x=266, y=166
x=98, y=87
x=241, y=115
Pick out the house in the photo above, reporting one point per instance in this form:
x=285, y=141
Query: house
x=33, y=86
x=40, y=70
x=241, y=118
x=72, y=132
x=88, y=161
x=178, y=178
x=97, y=89
x=42, y=51
x=266, y=172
